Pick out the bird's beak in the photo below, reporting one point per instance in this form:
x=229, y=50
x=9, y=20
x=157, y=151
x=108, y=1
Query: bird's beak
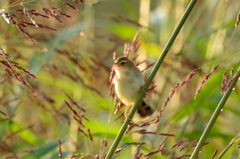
x=117, y=65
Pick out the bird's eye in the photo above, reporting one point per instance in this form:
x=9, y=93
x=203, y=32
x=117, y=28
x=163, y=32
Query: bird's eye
x=122, y=63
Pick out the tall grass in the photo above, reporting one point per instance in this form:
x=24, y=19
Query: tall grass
x=70, y=53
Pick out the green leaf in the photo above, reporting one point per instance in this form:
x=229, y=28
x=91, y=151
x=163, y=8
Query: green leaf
x=212, y=84
x=230, y=148
x=212, y=31
x=209, y=89
x=41, y=151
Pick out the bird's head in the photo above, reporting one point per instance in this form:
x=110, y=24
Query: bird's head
x=123, y=63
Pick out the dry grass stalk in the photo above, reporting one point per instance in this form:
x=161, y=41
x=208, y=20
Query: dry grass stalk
x=53, y=13
x=144, y=124
x=21, y=10
x=4, y=114
x=39, y=25
x=119, y=116
x=10, y=66
x=8, y=72
x=144, y=131
x=231, y=72
x=133, y=143
x=59, y=148
x=103, y=143
x=82, y=131
x=26, y=34
x=179, y=143
x=194, y=142
x=131, y=125
x=119, y=106
x=182, y=148
x=135, y=57
x=79, y=1
x=10, y=18
x=136, y=44
x=40, y=15
x=13, y=22
x=5, y=63
x=76, y=116
x=205, y=79
x=28, y=14
x=148, y=66
x=153, y=152
x=118, y=150
x=80, y=108
x=72, y=110
x=32, y=12
x=224, y=81
x=81, y=114
x=5, y=16
x=114, y=56
x=139, y=156
x=138, y=150
x=188, y=78
x=205, y=143
x=229, y=82
x=214, y=154
x=47, y=11
x=90, y=136
x=160, y=146
x=71, y=6
x=22, y=69
x=115, y=19
x=166, y=134
x=238, y=19
x=65, y=15
x=140, y=62
x=175, y=88
x=79, y=121
x=127, y=49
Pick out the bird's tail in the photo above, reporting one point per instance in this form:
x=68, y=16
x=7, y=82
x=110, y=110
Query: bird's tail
x=144, y=110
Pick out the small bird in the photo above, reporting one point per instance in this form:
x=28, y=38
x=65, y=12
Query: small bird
x=128, y=83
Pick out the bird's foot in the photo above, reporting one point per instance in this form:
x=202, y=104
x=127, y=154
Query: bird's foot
x=126, y=117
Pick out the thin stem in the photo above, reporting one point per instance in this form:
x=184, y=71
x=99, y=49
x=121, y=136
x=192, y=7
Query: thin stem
x=231, y=143
x=215, y=116
x=150, y=78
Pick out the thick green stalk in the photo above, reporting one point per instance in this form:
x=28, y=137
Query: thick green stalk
x=150, y=78
x=215, y=116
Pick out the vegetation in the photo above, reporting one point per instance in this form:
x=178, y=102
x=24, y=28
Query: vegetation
x=56, y=61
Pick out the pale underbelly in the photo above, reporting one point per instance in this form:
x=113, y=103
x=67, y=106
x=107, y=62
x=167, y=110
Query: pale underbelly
x=127, y=92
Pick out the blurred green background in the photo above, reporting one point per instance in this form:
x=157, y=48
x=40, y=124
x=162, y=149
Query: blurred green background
x=77, y=60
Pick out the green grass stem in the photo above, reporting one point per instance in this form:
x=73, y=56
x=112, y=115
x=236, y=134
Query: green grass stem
x=215, y=116
x=150, y=78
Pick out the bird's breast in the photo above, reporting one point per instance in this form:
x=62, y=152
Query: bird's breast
x=127, y=89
